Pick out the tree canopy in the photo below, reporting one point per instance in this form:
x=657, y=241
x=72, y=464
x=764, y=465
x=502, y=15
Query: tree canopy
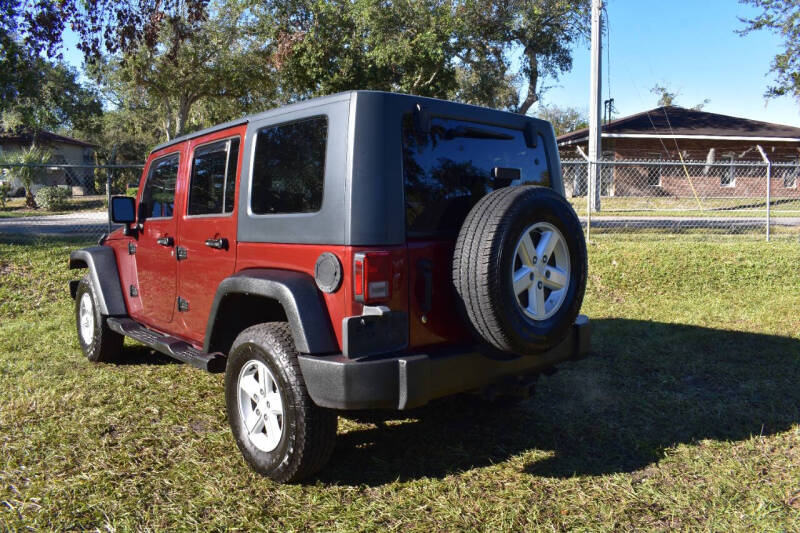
x=782, y=17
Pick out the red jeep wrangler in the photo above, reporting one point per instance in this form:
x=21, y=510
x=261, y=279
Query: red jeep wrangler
x=358, y=251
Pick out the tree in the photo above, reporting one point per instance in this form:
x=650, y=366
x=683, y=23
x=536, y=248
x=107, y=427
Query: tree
x=24, y=168
x=782, y=17
x=195, y=62
x=543, y=31
x=52, y=99
x=326, y=46
x=563, y=119
x=666, y=97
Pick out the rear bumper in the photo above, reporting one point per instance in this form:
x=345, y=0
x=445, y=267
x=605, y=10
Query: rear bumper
x=405, y=381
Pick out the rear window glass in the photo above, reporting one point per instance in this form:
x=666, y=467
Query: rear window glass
x=289, y=167
x=449, y=169
x=158, y=196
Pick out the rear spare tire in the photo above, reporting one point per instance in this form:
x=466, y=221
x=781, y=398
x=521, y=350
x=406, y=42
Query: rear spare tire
x=519, y=269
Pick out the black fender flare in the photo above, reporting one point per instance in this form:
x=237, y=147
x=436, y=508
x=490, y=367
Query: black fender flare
x=296, y=292
x=104, y=276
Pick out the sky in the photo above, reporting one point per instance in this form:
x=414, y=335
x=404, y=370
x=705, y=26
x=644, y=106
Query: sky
x=689, y=46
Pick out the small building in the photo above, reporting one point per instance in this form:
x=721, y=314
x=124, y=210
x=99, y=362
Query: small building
x=64, y=150
x=672, y=133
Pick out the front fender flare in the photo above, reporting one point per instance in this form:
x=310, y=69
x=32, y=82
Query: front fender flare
x=298, y=295
x=104, y=277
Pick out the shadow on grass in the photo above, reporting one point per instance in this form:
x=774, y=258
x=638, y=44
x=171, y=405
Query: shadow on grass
x=142, y=355
x=648, y=386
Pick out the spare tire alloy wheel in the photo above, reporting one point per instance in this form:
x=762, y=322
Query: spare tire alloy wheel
x=519, y=269
x=541, y=271
x=260, y=405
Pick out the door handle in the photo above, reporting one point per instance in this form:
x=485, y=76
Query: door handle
x=219, y=243
x=165, y=241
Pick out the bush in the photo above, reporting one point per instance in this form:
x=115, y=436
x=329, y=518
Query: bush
x=131, y=191
x=52, y=198
x=5, y=188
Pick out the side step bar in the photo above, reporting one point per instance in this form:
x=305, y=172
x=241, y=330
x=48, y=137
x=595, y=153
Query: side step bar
x=175, y=348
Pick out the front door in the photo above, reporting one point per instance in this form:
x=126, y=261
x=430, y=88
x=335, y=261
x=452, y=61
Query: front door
x=207, y=227
x=155, y=260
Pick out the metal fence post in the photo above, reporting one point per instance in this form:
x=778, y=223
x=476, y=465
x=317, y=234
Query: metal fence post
x=588, y=191
x=769, y=183
x=108, y=197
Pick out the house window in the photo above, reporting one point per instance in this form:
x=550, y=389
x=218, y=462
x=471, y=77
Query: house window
x=790, y=174
x=728, y=170
x=654, y=171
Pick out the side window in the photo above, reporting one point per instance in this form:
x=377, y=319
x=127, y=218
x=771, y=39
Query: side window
x=158, y=196
x=289, y=167
x=213, y=184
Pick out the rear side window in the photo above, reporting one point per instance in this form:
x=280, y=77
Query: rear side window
x=158, y=196
x=213, y=185
x=289, y=167
x=449, y=169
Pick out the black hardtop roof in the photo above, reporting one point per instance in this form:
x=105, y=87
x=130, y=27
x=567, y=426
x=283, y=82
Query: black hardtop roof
x=313, y=102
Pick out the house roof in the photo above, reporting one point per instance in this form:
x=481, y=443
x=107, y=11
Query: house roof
x=26, y=137
x=674, y=122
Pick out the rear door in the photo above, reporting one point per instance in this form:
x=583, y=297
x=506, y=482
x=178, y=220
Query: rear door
x=446, y=171
x=155, y=261
x=207, y=226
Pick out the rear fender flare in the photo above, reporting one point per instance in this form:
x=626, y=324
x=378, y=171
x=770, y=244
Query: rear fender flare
x=298, y=295
x=104, y=277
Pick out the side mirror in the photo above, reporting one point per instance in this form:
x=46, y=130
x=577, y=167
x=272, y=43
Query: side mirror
x=122, y=210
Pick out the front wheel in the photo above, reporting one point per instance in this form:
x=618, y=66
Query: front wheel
x=98, y=342
x=281, y=433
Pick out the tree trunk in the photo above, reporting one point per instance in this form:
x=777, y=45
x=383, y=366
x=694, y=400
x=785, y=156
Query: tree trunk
x=533, y=80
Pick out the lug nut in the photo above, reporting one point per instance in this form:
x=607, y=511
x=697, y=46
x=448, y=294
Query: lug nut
x=535, y=259
x=547, y=274
x=544, y=259
x=539, y=285
x=531, y=276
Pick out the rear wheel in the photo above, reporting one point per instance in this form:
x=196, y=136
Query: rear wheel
x=98, y=342
x=281, y=433
x=519, y=269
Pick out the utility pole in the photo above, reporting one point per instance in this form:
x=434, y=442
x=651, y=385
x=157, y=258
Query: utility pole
x=595, y=103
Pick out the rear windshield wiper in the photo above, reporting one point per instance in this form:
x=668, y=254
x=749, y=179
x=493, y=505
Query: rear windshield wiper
x=476, y=133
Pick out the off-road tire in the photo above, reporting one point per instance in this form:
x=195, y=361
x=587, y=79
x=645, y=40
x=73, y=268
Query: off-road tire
x=105, y=345
x=483, y=259
x=309, y=431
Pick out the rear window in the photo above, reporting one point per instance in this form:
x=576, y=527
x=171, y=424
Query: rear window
x=449, y=169
x=289, y=167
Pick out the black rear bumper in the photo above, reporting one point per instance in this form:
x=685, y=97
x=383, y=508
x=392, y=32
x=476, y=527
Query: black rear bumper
x=405, y=381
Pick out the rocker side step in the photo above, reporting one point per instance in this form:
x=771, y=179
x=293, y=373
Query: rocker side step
x=175, y=348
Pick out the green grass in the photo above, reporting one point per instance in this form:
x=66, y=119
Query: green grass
x=15, y=207
x=667, y=206
x=685, y=417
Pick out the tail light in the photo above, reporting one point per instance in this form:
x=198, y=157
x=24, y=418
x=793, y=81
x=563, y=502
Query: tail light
x=372, y=275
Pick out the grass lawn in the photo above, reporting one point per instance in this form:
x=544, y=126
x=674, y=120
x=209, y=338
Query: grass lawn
x=655, y=206
x=687, y=416
x=15, y=207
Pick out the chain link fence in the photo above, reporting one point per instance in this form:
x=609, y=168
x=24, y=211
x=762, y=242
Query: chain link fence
x=663, y=197
x=60, y=198
x=653, y=198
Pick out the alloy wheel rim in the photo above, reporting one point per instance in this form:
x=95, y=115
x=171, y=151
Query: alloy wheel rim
x=540, y=273
x=260, y=405
x=86, y=318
